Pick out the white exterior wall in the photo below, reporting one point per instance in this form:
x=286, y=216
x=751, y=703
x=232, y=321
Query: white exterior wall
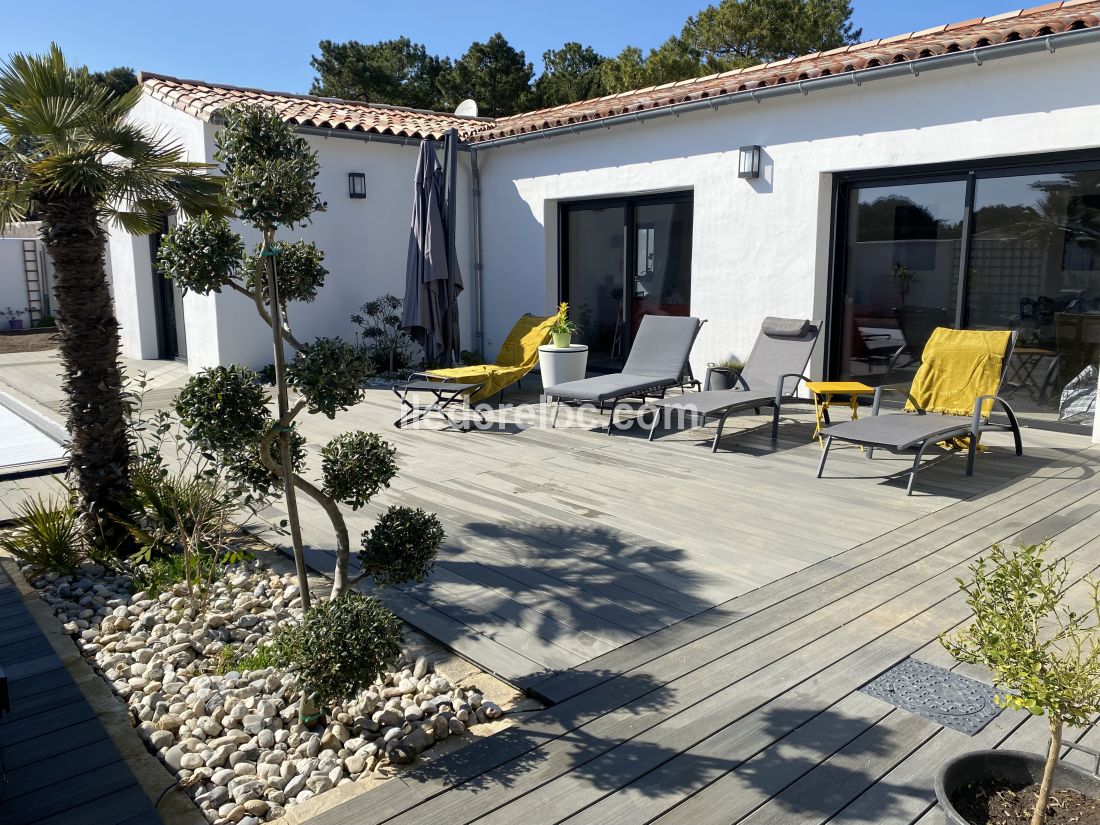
x=130, y=264
x=761, y=247
x=13, y=281
x=365, y=242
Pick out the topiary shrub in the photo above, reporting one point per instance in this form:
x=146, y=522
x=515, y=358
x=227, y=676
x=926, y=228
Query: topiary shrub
x=202, y=255
x=401, y=547
x=329, y=374
x=356, y=466
x=300, y=271
x=341, y=646
x=224, y=408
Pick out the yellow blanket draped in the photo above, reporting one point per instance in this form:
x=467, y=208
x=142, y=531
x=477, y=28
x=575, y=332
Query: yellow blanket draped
x=956, y=367
x=518, y=356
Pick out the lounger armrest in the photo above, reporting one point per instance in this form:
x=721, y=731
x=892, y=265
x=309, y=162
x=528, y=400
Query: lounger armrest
x=427, y=376
x=882, y=389
x=997, y=400
x=779, y=394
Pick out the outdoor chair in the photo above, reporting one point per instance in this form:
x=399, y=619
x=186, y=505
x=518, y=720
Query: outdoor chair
x=656, y=362
x=950, y=400
x=518, y=355
x=770, y=378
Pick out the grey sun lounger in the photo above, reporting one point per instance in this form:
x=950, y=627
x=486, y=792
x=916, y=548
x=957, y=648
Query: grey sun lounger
x=900, y=432
x=656, y=362
x=770, y=378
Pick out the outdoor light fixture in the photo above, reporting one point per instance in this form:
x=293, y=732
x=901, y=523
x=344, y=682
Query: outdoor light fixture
x=357, y=185
x=750, y=162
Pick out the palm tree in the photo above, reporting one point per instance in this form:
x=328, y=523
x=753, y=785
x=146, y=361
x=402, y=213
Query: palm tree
x=71, y=156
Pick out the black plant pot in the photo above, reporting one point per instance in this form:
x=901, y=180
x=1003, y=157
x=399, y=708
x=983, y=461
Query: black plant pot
x=723, y=378
x=1013, y=766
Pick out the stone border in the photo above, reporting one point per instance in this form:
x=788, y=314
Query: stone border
x=176, y=808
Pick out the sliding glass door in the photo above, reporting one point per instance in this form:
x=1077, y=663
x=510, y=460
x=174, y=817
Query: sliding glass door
x=623, y=259
x=998, y=248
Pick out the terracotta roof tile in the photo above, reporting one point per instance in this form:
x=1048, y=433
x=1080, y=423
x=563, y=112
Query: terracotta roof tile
x=969, y=34
x=205, y=100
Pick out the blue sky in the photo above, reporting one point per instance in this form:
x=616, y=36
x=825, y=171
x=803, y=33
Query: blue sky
x=269, y=44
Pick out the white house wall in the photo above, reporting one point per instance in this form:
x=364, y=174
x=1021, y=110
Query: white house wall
x=365, y=242
x=761, y=247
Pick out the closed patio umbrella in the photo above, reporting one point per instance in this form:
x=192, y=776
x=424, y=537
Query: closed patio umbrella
x=432, y=278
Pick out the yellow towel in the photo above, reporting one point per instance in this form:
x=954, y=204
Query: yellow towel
x=518, y=356
x=956, y=367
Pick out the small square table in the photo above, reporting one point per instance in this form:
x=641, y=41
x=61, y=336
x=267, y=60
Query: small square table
x=823, y=392
x=446, y=393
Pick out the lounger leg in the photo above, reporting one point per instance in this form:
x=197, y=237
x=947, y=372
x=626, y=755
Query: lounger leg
x=775, y=422
x=718, y=432
x=554, y=420
x=1014, y=422
x=653, y=426
x=870, y=453
x=824, y=455
x=611, y=419
x=916, y=466
x=971, y=451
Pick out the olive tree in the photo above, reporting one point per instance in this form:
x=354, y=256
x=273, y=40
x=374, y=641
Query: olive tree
x=1044, y=657
x=270, y=175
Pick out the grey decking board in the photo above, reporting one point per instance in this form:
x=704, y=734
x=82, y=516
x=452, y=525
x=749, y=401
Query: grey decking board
x=421, y=812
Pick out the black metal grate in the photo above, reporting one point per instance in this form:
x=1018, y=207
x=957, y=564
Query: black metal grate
x=946, y=698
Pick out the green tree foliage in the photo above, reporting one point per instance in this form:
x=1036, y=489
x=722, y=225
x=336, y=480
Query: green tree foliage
x=398, y=72
x=119, y=80
x=356, y=467
x=341, y=646
x=494, y=74
x=1043, y=655
x=737, y=33
x=401, y=547
x=569, y=74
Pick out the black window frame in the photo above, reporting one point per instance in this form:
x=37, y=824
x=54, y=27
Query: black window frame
x=971, y=171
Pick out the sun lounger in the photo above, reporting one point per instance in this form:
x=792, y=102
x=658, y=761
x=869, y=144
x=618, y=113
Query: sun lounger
x=655, y=363
x=770, y=378
x=959, y=367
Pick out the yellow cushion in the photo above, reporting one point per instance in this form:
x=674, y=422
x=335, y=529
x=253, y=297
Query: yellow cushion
x=518, y=356
x=957, y=366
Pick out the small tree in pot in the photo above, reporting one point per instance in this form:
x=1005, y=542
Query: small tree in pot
x=1044, y=657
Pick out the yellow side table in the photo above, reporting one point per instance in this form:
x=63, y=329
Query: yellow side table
x=823, y=392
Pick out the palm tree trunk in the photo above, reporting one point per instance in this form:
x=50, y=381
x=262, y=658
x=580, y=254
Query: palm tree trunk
x=99, y=451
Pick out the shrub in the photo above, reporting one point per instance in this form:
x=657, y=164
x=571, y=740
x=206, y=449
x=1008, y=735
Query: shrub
x=171, y=507
x=388, y=345
x=329, y=373
x=224, y=408
x=401, y=547
x=356, y=466
x=299, y=268
x=202, y=255
x=47, y=535
x=341, y=646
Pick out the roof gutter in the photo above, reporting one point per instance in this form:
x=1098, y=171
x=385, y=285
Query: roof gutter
x=370, y=137
x=1050, y=43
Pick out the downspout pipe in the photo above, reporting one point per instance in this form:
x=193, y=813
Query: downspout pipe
x=1049, y=43
x=475, y=230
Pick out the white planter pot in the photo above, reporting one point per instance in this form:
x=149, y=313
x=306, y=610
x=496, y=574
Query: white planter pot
x=560, y=365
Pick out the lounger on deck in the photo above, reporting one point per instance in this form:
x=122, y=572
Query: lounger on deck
x=655, y=363
x=771, y=376
x=952, y=396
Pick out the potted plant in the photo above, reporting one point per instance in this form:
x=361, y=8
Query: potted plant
x=15, y=317
x=561, y=331
x=1044, y=657
x=725, y=373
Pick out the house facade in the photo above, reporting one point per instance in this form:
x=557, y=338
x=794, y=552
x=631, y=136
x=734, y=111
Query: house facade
x=941, y=178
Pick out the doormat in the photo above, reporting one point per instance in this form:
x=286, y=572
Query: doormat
x=940, y=695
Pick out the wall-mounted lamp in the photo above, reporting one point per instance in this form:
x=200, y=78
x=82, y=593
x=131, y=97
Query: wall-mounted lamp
x=357, y=185
x=749, y=166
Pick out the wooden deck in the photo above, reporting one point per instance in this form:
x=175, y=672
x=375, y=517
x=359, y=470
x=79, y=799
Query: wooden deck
x=59, y=764
x=700, y=625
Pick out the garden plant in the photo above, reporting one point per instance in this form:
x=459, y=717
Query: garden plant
x=72, y=157
x=1044, y=657
x=270, y=175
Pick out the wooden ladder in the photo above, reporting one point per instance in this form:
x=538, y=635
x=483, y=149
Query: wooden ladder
x=36, y=300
